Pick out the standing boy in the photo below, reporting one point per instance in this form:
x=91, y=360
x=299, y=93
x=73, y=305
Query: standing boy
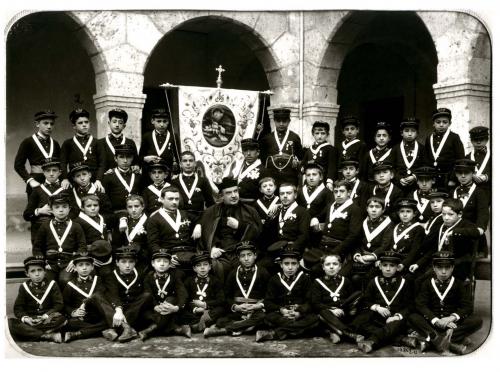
x=381, y=152
x=385, y=189
x=158, y=173
x=479, y=137
x=351, y=147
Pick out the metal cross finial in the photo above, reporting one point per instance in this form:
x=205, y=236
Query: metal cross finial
x=220, y=70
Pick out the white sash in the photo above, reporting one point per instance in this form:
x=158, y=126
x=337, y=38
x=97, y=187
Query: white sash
x=128, y=187
x=85, y=149
x=281, y=145
x=250, y=168
x=382, y=158
x=397, y=237
x=465, y=199
x=435, y=154
x=137, y=227
x=40, y=147
x=310, y=198
x=290, y=287
x=127, y=287
x=190, y=192
x=157, y=192
x=273, y=203
x=346, y=145
x=442, y=237
x=47, y=291
x=92, y=190
x=395, y=294
x=315, y=152
x=430, y=223
x=174, y=224
x=289, y=211
x=110, y=145
x=42, y=186
x=442, y=296
x=159, y=150
x=161, y=290
x=201, y=291
x=60, y=242
x=98, y=226
x=82, y=292
x=247, y=293
x=333, y=295
x=354, y=189
x=372, y=235
x=484, y=163
x=387, y=196
x=339, y=212
x=409, y=164
x=420, y=207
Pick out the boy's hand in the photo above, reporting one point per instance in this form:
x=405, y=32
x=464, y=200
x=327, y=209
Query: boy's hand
x=232, y=223
x=196, y=232
x=45, y=210
x=413, y=268
x=123, y=224
x=65, y=184
x=391, y=319
x=151, y=159
x=216, y=252
x=337, y=312
x=442, y=323
x=273, y=210
x=174, y=261
x=136, y=169
x=78, y=313
x=480, y=179
x=30, y=321
x=329, y=185
x=99, y=187
x=383, y=311
x=33, y=183
x=118, y=318
x=199, y=303
x=71, y=267
x=314, y=224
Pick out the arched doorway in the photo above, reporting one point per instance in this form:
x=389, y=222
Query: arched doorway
x=388, y=70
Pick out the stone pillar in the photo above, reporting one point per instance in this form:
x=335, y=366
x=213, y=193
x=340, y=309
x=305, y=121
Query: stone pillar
x=315, y=111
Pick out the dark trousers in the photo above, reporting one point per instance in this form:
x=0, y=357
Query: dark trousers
x=223, y=265
x=90, y=325
x=60, y=275
x=188, y=317
x=372, y=324
x=235, y=322
x=333, y=322
x=22, y=331
x=131, y=310
x=166, y=323
x=464, y=328
x=285, y=327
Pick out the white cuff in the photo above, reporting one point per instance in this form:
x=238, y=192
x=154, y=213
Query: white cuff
x=434, y=320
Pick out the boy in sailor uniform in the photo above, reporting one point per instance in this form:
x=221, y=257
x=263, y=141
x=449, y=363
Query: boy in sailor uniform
x=267, y=207
x=443, y=314
x=38, y=305
x=479, y=137
x=381, y=152
x=360, y=190
x=384, y=187
x=351, y=147
x=385, y=305
x=152, y=193
x=80, y=295
x=425, y=182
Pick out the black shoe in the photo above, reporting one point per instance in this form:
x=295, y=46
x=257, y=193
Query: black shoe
x=335, y=338
x=352, y=337
x=128, y=333
x=459, y=349
x=264, y=335
x=146, y=333
x=409, y=341
x=70, y=336
x=442, y=342
x=110, y=334
x=366, y=346
x=53, y=337
x=214, y=331
x=183, y=330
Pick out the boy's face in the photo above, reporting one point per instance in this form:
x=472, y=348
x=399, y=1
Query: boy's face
x=382, y=137
x=350, y=132
x=349, y=172
x=52, y=173
x=116, y=125
x=287, y=195
x=289, y=265
x=45, y=126
x=157, y=175
x=443, y=270
x=60, y=210
x=187, y=163
x=171, y=201
x=84, y=268
x=425, y=183
x=450, y=216
x=231, y=195
x=281, y=125
x=125, y=265
x=479, y=143
x=341, y=194
x=409, y=134
x=383, y=177
x=202, y=268
x=90, y=208
x=134, y=208
x=160, y=124
x=464, y=176
x=441, y=124
x=313, y=177
x=388, y=268
x=406, y=214
x=36, y=273
x=320, y=135
x=82, y=178
x=251, y=155
x=160, y=264
x=374, y=210
x=124, y=161
x=268, y=188
x=247, y=258
x=331, y=266
x=82, y=125
x=436, y=205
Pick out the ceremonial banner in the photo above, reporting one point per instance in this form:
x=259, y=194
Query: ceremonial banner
x=212, y=123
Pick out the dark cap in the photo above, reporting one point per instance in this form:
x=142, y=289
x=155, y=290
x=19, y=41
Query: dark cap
x=348, y=162
x=161, y=253
x=349, y=120
x=406, y=203
x=441, y=112
x=125, y=149
x=162, y=164
x=45, y=114
x=245, y=245
x=159, y=113
x=311, y=164
x=390, y=256
x=281, y=114
x=78, y=113
x=424, y=171
x=99, y=249
x=383, y=125
x=118, y=113
x=34, y=260
x=443, y=257
x=465, y=164
x=479, y=133
x=381, y=165
x=227, y=182
x=83, y=257
x=289, y=251
x=126, y=252
x=59, y=198
x=249, y=144
x=266, y=173
x=409, y=122
x=321, y=124
x=438, y=193
x=78, y=166
x=51, y=162
x=200, y=257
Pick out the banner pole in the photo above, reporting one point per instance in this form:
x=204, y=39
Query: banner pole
x=173, y=131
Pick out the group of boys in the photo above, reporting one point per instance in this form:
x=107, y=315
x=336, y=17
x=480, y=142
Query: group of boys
x=340, y=236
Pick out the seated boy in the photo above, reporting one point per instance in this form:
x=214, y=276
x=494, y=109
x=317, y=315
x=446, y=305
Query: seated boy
x=158, y=173
x=444, y=309
x=38, y=306
x=79, y=296
x=314, y=195
x=245, y=289
x=385, y=305
x=169, y=297
x=287, y=300
x=384, y=188
x=92, y=222
x=267, y=206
